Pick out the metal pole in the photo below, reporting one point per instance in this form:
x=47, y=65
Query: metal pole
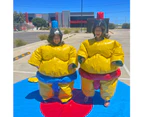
x=81, y=13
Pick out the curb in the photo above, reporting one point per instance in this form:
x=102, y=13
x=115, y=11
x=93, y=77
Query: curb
x=69, y=36
x=111, y=32
x=20, y=56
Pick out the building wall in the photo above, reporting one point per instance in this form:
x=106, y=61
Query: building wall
x=83, y=14
x=60, y=19
x=52, y=16
x=76, y=20
x=45, y=17
x=38, y=15
x=66, y=18
x=31, y=16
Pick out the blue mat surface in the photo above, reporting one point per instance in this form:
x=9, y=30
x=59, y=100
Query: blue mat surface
x=27, y=100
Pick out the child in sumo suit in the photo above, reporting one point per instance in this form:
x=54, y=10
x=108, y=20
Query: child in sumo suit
x=100, y=59
x=56, y=63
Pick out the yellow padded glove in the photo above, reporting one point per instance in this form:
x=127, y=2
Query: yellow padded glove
x=33, y=79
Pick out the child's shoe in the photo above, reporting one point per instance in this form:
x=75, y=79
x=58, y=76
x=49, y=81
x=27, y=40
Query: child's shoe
x=106, y=103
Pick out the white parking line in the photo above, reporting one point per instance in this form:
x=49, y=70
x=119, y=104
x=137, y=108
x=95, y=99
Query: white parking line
x=124, y=78
x=126, y=69
x=24, y=72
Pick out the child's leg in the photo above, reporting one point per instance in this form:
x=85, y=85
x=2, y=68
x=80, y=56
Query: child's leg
x=87, y=87
x=107, y=90
x=65, y=93
x=46, y=90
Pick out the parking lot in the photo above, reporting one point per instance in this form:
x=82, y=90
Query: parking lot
x=29, y=37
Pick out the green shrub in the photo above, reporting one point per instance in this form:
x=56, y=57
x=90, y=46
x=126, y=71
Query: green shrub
x=66, y=31
x=126, y=26
x=19, y=42
x=76, y=31
x=111, y=26
x=43, y=37
x=119, y=26
x=47, y=28
x=63, y=28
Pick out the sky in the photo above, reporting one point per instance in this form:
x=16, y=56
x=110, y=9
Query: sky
x=117, y=10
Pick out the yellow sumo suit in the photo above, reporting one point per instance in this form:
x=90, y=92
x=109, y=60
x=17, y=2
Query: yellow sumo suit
x=97, y=65
x=53, y=73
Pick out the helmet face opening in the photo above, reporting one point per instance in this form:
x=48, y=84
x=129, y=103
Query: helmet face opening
x=101, y=24
x=53, y=32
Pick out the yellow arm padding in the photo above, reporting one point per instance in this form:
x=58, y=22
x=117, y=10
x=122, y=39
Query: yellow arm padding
x=118, y=54
x=73, y=56
x=82, y=51
x=36, y=57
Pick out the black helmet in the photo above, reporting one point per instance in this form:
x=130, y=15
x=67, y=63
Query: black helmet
x=100, y=23
x=53, y=32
